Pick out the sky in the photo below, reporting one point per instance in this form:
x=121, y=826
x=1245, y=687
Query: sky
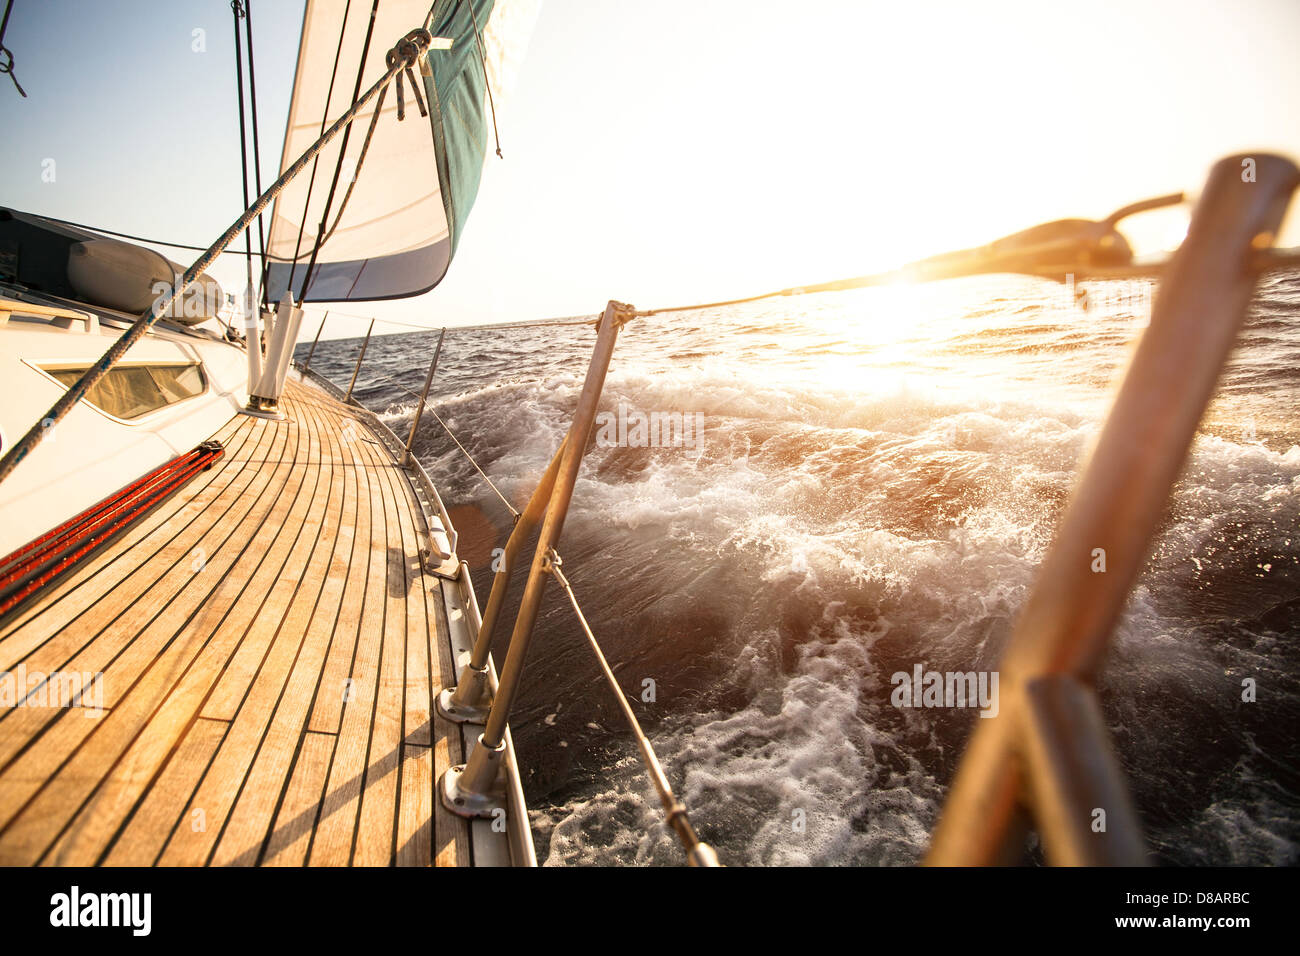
x=687, y=150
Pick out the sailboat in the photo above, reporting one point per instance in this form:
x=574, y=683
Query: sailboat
x=234, y=627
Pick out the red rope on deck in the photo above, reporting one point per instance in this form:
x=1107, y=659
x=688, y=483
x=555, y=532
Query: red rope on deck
x=41, y=561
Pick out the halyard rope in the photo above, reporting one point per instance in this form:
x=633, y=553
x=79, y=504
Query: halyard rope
x=338, y=163
x=237, y=9
x=257, y=150
x=311, y=180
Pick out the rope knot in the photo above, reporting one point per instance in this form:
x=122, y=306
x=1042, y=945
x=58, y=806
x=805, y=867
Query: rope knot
x=409, y=50
x=412, y=46
x=7, y=66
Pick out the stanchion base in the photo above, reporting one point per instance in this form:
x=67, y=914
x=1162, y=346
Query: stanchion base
x=462, y=713
x=276, y=416
x=471, y=806
x=444, y=567
x=267, y=408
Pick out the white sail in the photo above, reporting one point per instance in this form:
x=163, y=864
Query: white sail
x=399, y=228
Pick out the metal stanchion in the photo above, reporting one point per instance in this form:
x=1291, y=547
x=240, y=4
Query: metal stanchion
x=312, y=351
x=424, y=394
x=469, y=700
x=474, y=788
x=362, y=354
x=1113, y=514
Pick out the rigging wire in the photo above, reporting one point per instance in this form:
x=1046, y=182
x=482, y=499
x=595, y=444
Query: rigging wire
x=8, y=65
x=257, y=151
x=465, y=451
x=645, y=313
x=489, y=326
x=700, y=854
x=535, y=324
x=237, y=11
x=311, y=180
x=343, y=149
x=487, y=84
x=356, y=173
x=1266, y=260
x=127, y=235
x=396, y=384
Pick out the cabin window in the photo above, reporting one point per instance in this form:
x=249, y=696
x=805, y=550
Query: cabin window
x=129, y=391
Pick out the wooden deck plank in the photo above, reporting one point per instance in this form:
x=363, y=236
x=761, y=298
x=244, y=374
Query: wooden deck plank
x=306, y=520
x=195, y=633
x=120, y=652
x=141, y=841
x=250, y=820
x=55, y=615
x=335, y=684
x=335, y=839
x=415, y=817
x=230, y=738
x=376, y=842
x=296, y=821
x=170, y=795
x=268, y=784
x=92, y=573
x=90, y=642
x=254, y=676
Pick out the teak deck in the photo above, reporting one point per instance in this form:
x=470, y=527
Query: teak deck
x=270, y=645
